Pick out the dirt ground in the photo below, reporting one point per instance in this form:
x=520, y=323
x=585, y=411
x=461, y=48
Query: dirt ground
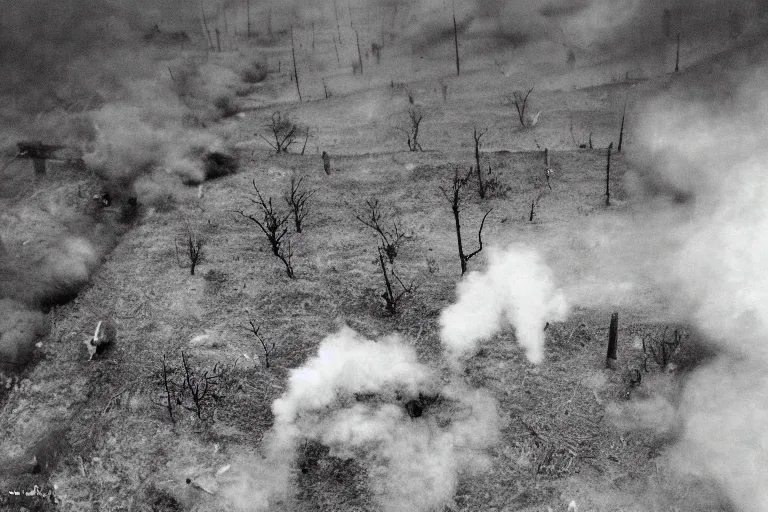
x=96, y=433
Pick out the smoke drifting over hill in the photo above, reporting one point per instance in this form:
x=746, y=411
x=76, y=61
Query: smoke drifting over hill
x=708, y=144
x=615, y=28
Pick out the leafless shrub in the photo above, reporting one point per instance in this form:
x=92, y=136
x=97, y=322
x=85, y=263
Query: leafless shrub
x=454, y=195
x=495, y=188
x=297, y=201
x=661, y=347
x=273, y=224
x=390, y=239
x=193, y=389
x=414, y=116
x=284, y=133
x=392, y=297
x=267, y=347
x=193, y=245
x=520, y=100
x=477, y=135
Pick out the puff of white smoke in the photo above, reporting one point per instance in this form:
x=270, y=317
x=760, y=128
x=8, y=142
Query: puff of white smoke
x=720, y=158
x=413, y=463
x=517, y=287
x=348, y=363
x=724, y=437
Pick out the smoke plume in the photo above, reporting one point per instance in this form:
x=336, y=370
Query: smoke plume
x=374, y=402
x=517, y=288
x=713, y=151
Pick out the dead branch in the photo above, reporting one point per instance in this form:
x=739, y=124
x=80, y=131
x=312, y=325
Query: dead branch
x=297, y=201
x=390, y=239
x=269, y=349
x=455, y=198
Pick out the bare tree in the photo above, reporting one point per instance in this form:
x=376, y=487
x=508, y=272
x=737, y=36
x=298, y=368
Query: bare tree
x=194, y=249
x=295, y=70
x=168, y=385
x=477, y=136
x=297, y=201
x=608, y=175
x=269, y=348
x=200, y=386
x=455, y=198
x=456, y=40
x=660, y=348
x=274, y=225
x=520, y=100
x=389, y=239
x=415, y=116
x=390, y=296
x=283, y=131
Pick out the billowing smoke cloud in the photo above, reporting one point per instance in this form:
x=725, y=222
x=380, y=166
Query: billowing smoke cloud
x=516, y=288
x=608, y=26
x=415, y=430
x=715, y=154
x=373, y=401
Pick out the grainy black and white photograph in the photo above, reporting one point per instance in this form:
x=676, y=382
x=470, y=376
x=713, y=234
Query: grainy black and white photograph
x=384, y=256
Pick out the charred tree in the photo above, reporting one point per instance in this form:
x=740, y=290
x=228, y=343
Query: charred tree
x=295, y=70
x=454, y=195
x=608, y=176
x=480, y=186
x=613, y=334
x=456, y=40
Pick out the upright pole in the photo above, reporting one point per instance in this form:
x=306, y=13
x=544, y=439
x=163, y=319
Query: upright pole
x=613, y=334
x=621, y=130
x=677, y=56
x=359, y=55
x=336, y=11
x=295, y=72
x=456, y=39
x=248, y=16
x=608, y=176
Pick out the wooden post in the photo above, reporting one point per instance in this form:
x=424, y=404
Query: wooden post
x=313, y=37
x=456, y=40
x=338, y=29
x=205, y=25
x=613, y=334
x=359, y=55
x=608, y=176
x=677, y=56
x=337, y=51
x=295, y=72
x=248, y=16
x=621, y=130
x=218, y=40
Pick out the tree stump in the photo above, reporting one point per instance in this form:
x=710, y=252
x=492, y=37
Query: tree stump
x=613, y=334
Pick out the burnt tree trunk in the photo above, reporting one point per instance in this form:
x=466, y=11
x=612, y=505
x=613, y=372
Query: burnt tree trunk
x=608, y=176
x=359, y=55
x=621, y=129
x=456, y=40
x=295, y=71
x=613, y=334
